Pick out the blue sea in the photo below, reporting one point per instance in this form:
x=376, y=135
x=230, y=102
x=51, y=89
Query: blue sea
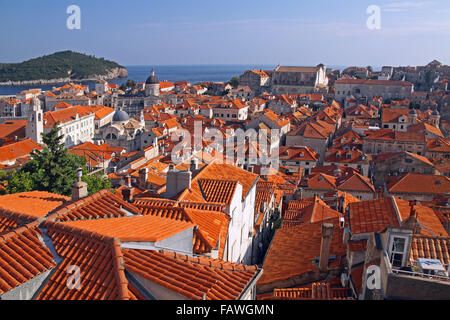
x=191, y=73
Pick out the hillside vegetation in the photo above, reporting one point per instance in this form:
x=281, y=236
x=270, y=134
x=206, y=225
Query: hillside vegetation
x=55, y=66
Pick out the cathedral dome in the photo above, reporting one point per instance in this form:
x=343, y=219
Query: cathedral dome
x=120, y=116
x=152, y=79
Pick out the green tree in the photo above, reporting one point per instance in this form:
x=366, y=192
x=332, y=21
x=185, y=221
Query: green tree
x=130, y=84
x=96, y=183
x=54, y=170
x=20, y=182
x=234, y=82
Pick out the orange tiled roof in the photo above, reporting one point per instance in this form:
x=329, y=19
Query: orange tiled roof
x=13, y=128
x=22, y=257
x=141, y=228
x=294, y=249
x=219, y=191
x=318, y=291
x=212, y=225
x=418, y=183
x=430, y=247
x=391, y=135
x=215, y=171
x=8, y=222
x=64, y=115
x=372, y=215
x=431, y=224
x=425, y=127
x=438, y=145
x=18, y=149
x=315, y=212
x=35, y=204
x=102, y=204
x=193, y=278
x=99, y=259
x=357, y=182
x=297, y=153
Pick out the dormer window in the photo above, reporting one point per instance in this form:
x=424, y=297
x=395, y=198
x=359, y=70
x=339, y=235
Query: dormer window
x=349, y=155
x=397, y=251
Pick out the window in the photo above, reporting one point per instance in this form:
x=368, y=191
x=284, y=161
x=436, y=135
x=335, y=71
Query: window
x=397, y=251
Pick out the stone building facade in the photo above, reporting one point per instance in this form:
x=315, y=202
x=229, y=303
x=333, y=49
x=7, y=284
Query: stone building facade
x=298, y=80
x=372, y=88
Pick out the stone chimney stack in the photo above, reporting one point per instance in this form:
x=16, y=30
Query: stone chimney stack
x=177, y=181
x=143, y=177
x=128, y=191
x=79, y=188
x=128, y=180
x=327, y=233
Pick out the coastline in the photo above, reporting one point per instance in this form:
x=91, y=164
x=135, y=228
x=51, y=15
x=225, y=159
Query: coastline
x=115, y=73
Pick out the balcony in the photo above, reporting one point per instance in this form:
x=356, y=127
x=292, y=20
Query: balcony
x=412, y=284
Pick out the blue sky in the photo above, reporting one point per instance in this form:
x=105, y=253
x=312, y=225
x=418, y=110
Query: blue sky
x=289, y=32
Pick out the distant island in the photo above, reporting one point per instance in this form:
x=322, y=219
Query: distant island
x=60, y=67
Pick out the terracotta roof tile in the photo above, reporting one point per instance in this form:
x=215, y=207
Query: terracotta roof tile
x=34, y=204
x=193, y=278
x=99, y=205
x=372, y=215
x=212, y=225
x=18, y=149
x=318, y=291
x=216, y=171
x=141, y=228
x=431, y=248
x=418, y=183
x=315, y=212
x=430, y=222
x=102, y=275
x=294, y=249
x=22, y=257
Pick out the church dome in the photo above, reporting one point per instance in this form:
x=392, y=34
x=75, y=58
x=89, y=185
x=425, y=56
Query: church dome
x=152, y=79
x=435, y=113
x=120, y=116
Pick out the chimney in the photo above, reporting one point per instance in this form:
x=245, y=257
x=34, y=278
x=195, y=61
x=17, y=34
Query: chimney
x=128, y=190
x=143, y=177
x=194, y=165
x=177, y=181
x=127, y=194
x=327, y=233
x=128, y=180
x=79, y=188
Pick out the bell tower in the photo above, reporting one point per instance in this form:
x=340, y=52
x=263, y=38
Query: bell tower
x=35, y=126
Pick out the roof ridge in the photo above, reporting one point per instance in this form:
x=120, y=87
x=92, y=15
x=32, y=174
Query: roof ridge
x=122, y=282
x=65, y=228
x=209, y=262
x=16, y=215
x=20, y=230
x=71, y=204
